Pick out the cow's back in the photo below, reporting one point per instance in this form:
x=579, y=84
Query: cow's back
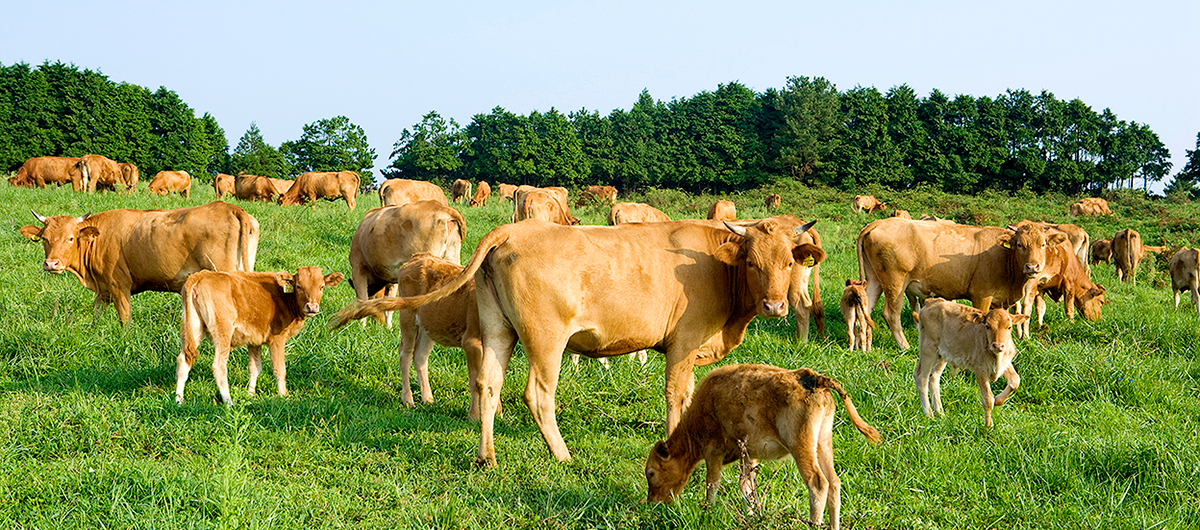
x=161, y=248
x=252, y=303
x=944, y=259
x=396, y=192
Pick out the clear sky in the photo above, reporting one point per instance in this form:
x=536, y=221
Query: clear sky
x=385, y=64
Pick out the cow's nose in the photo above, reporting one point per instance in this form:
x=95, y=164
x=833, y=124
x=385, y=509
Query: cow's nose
x=774, y=309
x=1033, y=268
x=997, y=346
x=312, y=308
x=52, y=265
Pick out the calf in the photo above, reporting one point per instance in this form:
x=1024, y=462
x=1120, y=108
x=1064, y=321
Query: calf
x=1185, y=275
x=773, y=201
x=1066, y=280
x=1127, y=254
x=867, y=203
x=722, y=210
x=166, y=182
x=858, y=319
x=460, y=191
x=246, y=308
x=482, y=193
x=749, y=412
x=1101, y=251
x=969, y=338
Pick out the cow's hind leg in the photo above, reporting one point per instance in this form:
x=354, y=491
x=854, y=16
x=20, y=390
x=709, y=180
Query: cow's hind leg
x=893, y=306
x=545, y=359
x=254, y=366
x=804, y=449
x=825, y=459
x=278, y=365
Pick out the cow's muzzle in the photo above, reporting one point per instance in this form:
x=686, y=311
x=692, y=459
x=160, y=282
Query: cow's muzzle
x=1032, y=269
x=311, y=309
x=774, y=309
x=53, y=266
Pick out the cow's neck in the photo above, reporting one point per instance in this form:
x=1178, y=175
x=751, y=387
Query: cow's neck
x=686, y=442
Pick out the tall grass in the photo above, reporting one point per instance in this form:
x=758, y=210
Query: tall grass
x=1101, y=434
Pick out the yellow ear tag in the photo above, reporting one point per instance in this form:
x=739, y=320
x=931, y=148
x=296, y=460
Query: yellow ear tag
x=1007, y=245
x=287, y=288
x=808, y=262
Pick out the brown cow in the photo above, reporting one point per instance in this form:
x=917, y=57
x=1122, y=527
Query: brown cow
x=38, y=171
x=1185, y=275
x=129, y=173
x=1091, y=206
x=246, y=309
x=118, y=253
x=544, y=204
x=1066, y=280
x=921, y=259
x=171, y=182
x=254, y=188
x=223, y=185
x=598, y=194
x=773, y=201
x=482, y=193
x=752, y=412
x=388, y=236
x=682, y=288
x=1127, y=254
x=281, y=185
x=903, y=214
x=859, y=325
x=1101, y=251
x=328, y=185
x=867, y=203
x=635, y=212
x=969, y=338
x=100, y=172
x=507, y=191
x=1079, y=239
x=722, y=210
x=460, y=191
x=397, y=192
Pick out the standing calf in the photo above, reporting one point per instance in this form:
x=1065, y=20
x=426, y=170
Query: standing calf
x=749, y=412
x=858, y=318
x=1185, y=275
x=246, y=308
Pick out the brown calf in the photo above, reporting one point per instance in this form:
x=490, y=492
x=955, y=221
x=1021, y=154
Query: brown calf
x=1185, y=275
x=1101, y=251
x=482, y=193
x=166, y=182
x=867, y=203
x=460, y=191
x=858, y=320
x=722, y=210
x=1127, y=254
x=773, y=201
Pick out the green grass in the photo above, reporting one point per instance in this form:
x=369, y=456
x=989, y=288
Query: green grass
x=1101, y=434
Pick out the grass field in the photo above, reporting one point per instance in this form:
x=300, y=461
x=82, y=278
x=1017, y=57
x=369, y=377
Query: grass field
x=1101, y=434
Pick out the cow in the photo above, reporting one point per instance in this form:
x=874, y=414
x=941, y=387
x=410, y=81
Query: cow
x=635, y=212
x=388, y=236
x=1065, y=280
x=246, y=309
x=129, y=173
x=1127, y=254
x=859, y=325
x=1078, y=237
x=396, y=192
x=722, y=210
x=118, y=253
x=1185, y=275
x=681, y=288
x=980, y=341
x=598, y=194
x=322, y=184
x=903, y=214
x=921, y=259
x=544, y=204
x=866, y=203
x=1091, y=206
x=40, y=170
x=223, y=185
x=751, y=412
x=1101, y=251
x=165, y=182
x=460, y=191
x=281, y=185
x=254, y=188
x=773, y=201
x=507, y=191
x=482, y=193
x=100, y=172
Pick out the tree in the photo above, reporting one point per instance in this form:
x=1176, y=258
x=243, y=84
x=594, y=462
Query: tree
x=811, y=130
x=1187, y=179
x=254, y=156
x=333, y=144
x=429, y=151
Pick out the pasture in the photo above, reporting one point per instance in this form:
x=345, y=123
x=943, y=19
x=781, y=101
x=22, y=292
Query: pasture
x=1101, y=434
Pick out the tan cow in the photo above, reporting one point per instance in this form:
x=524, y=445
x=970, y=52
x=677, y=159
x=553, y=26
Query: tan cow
x=544, y=204
x=40, y=170
x=100, y=172
x=397, y=192
x=859, y=325
x=1065, y=280
x=635, y=212
x=281, y=185
x=773, y=201
x=952, y=333
x=482, y=193
x=597, y=194
x=165, y=182
x=867, y=203
x=1101, y=251
x=751, y=412
x=682, y=288
x=920, y=259
x=460, y=191
x=1127, y=254
x=254, y=188
x=388, y=236
x=1079, y=239
x=249, y=309
x=1185, y=275
x=118, y=253
x=722, y=210
x=129, y=173
x=1091, y=206
x=223, y=185
x=322, y=184
x=507, y=191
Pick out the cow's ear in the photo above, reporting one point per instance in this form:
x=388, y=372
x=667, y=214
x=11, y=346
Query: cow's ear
x=1005, y=240
x=1056, y=238
x=660, y=450
x=89, y=234
x=32, y=232
x=286, y=281
x=808, y=254
x=333, y=279
x=1019, y=319
x=728, y=253
x=976, y=317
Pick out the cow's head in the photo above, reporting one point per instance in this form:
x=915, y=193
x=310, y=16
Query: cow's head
x=769, y=251
x=1090, y=302
x=308, y=284
x=1028, y=244
x=999, y=325
x=665, y=475
x=63, y=238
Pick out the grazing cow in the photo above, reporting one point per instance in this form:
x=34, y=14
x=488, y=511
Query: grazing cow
x=129, y=173
x=752, y=412
x=596, y=194
x=100, y=172
x=903, y=214
x=1065, y=280
x=397, y=192
x=1078, y=238
x=254, y=188
x=388, y=236
x=867, y=203
x=281, y=185
x=223, y=185
x=1101, y=251
x=482, y=193
x=968, y=338
x=246, y=309
x=773, y=201
x=921, y=259
x=507, y=191
x=681, y=288
x=460, y=191
x=322, y=184
x=859, y=325
x=1185, y=275
x=171, y=182
x=118, y=253
x=722, y=210
x=1127, y=254
x=1091, y=206
x=544, y=204
x=635, y=212
x=38, y=171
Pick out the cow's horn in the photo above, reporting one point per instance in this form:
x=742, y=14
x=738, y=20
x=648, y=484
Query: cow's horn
x=739, y=230
x=40, y=218
x=805, y=227
x=84, y=218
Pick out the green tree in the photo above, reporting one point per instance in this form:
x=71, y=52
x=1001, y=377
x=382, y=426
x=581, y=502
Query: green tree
x=254, y=156
x=811, y=129
x=1188, y=178
x=429, y=151
x=333, y=144
x=868, y=154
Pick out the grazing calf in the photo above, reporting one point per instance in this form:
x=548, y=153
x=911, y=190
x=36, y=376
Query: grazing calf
x=969, y=338
x=460, y=191
x=482, y=193
x=773, y=201
x=223, y=185
x=858, y=319
x=749, y=412
x=1185, y=275
x=722, y=210
x=166, y=182
x=867, y=203
x=507, y=190
x=246, y=308
x=1127, y=254
x=1101, y=251
x=598, y=194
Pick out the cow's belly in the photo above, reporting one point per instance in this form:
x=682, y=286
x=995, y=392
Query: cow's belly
x=767, y=449
x=591, y=343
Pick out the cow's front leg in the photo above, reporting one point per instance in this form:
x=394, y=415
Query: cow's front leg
x=679, y=386
x=278, y=366
x=254, y=366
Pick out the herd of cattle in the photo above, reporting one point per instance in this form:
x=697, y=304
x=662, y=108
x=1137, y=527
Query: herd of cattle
x=685, y=288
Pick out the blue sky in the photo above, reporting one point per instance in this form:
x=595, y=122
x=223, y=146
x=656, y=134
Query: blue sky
x=386, y=64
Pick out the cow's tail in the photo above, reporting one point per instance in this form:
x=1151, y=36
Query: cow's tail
x=813, y=381
x=248, y=242
x=817, y=310
x=191, y=329
x=379, y=306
